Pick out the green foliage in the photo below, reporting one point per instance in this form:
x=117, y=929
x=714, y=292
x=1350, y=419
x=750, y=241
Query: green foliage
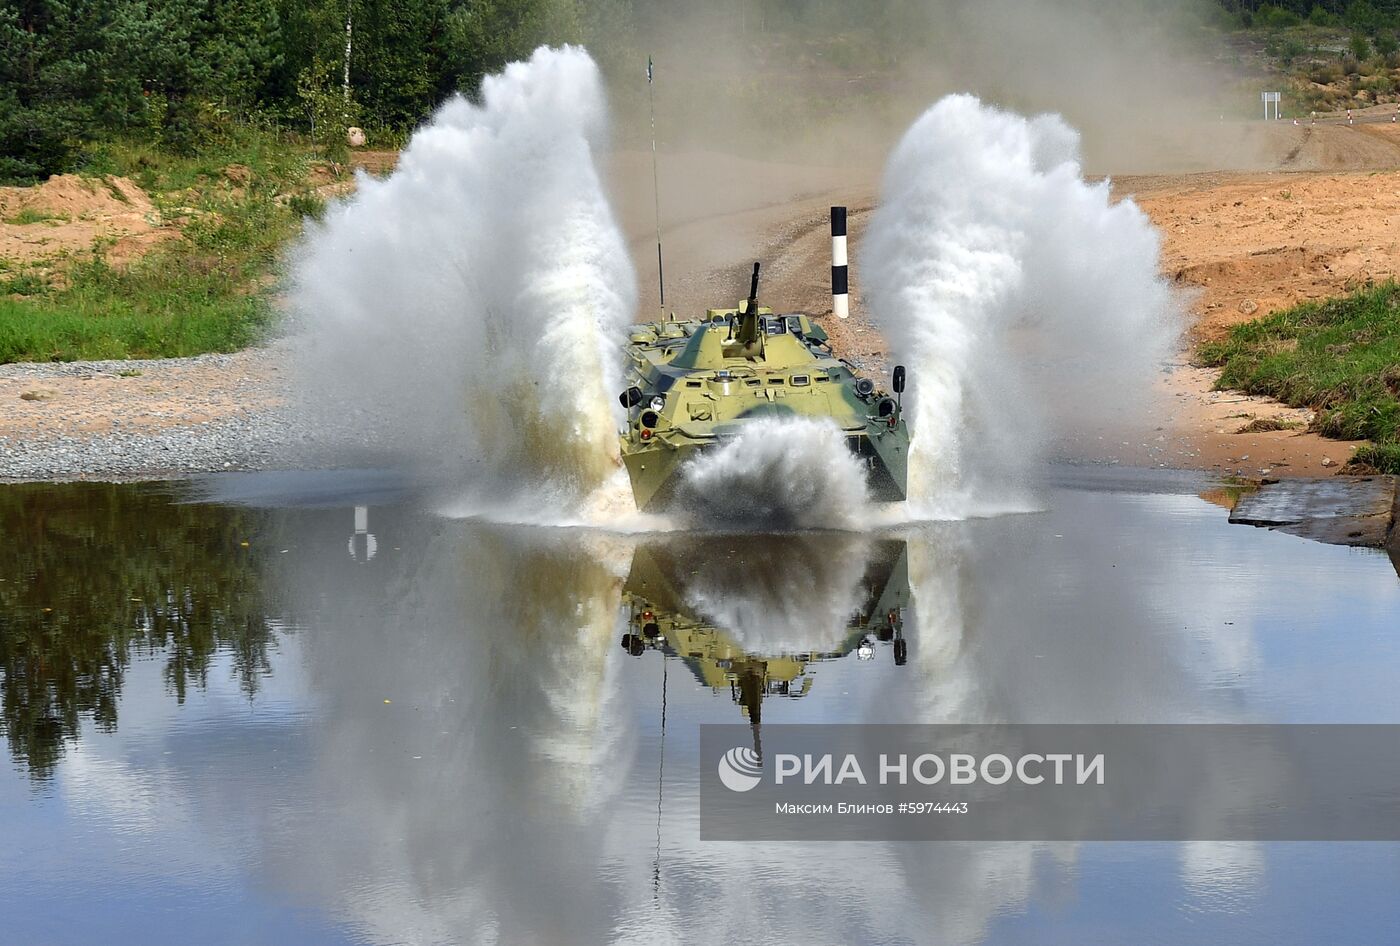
x=1272, y=17
x=47, y=81
x=1340, y=357
x=23, y=284
x=97, y=575
x=73, y=69
x=482, y=37
x=206, y=291
x=398, y=58
x=1290, y=49
x=1359, y=46
x=99, y=320
x=1361, y=15
x=185, y=73
x=307, y=205
x=1325, y=72
x=29, y=216
x=1380, y=85
x=235, y=44
x=329, y=112
x=1382, y=457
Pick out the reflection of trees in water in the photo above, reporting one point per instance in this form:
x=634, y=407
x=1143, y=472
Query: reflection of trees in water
x=97, y=573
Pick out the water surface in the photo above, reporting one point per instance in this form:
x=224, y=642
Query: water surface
x=228, y=722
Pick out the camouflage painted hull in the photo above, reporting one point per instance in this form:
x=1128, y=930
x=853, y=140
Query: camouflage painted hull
x=656, y=470
x=693, y=385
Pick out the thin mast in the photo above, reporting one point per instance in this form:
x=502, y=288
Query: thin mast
x=656, y=189
x=660, y=781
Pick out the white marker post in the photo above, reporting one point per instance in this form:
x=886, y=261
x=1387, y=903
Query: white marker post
x=363, y=544
x=1271, y=98
x=840, y=286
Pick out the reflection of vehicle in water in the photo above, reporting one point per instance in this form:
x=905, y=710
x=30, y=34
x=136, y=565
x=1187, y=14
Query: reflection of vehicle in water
x=694, y=383
x=716, y=607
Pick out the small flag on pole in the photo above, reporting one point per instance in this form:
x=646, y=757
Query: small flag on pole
x=648, y=68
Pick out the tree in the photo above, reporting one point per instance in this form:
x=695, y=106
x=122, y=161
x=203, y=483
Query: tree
x=72, y=71
x=47, y=78
x=236, y=47
x=1361, y=15
x=482, y=36
x=1320, y=17
x=398, y=58
x=147, y=60
x=117, y=573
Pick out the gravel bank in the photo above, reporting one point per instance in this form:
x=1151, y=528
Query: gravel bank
x=148, y=419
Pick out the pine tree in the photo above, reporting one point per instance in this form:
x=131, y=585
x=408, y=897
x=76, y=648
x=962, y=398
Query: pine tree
x=48, y=66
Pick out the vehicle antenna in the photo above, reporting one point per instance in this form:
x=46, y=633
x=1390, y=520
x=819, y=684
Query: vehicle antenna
x=660, y=781
x=656, y=187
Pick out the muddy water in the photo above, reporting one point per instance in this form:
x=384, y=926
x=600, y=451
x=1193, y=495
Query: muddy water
x=229, y=722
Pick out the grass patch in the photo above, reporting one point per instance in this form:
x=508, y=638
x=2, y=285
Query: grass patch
x=307, y=205
x=198, y=294
x=270, y=158
x=209, y=290
x=1340, y=357
x=92, y=326
x=29, y=215
x=1264, y=425
x=1382, y=458
x=24, y=283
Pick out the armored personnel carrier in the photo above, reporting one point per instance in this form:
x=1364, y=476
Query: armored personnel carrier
x=694, y=384
x=661, y=604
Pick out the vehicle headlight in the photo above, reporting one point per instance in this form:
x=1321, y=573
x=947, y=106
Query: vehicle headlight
x=658, y=402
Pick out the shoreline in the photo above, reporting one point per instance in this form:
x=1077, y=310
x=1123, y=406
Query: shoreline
x=144, y=419
x=1237, y=243
x=168, y=419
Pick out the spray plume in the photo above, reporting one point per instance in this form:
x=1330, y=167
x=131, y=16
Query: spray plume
x=1023, y=299
x=778, y=473
x=795, y=595
x=466, y=311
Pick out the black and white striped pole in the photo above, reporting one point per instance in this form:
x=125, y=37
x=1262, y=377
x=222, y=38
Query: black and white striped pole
x=840, y=289
x=363, y=544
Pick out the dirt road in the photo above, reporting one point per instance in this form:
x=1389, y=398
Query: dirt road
x=1239, y=243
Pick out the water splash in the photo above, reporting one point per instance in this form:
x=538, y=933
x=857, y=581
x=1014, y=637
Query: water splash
x=1024, y=300
x=798, y=600
x=778, y=473
x=463, y=315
